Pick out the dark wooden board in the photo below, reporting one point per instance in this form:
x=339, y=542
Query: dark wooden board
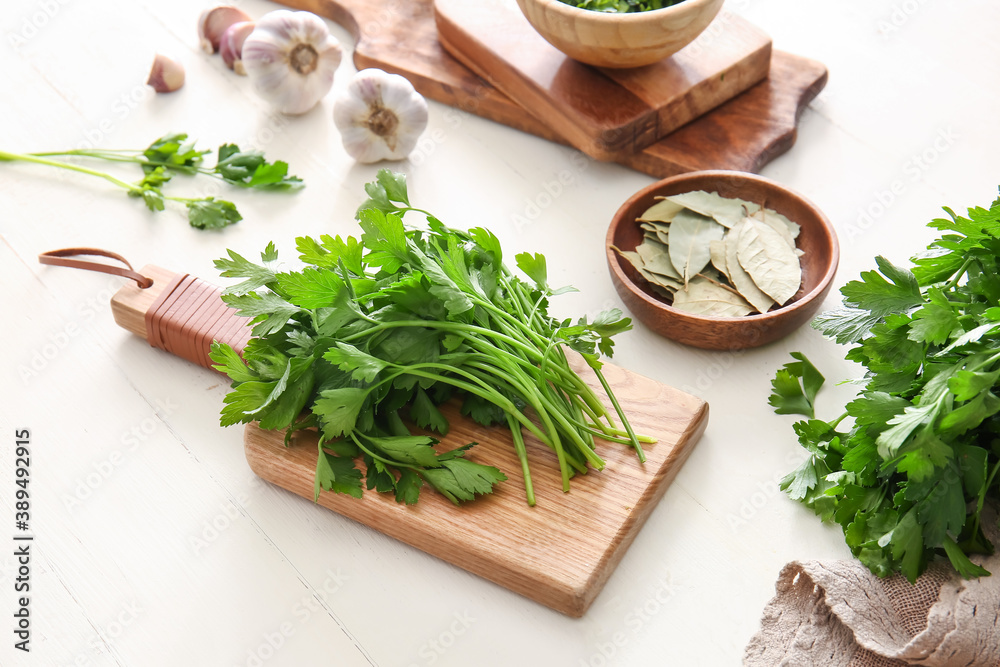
x=743, y=134
x=603, y=112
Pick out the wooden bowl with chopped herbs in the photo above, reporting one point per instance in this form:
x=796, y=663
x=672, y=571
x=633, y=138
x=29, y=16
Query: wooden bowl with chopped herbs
x=600, y=33
x=721, y=260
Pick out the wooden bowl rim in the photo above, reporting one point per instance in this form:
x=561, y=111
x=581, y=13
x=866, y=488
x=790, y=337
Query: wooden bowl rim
x=785, y=311
x=609, y=18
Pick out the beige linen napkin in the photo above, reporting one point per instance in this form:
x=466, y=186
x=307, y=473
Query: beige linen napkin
x=838, y=614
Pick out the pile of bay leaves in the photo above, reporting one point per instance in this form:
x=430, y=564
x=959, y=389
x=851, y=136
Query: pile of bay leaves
x=717, y=256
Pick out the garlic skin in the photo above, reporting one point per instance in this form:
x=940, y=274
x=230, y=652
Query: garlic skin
x=231, y=45
x=166, y=75
x=290, y=57
x=380, y=116
x=214, y=21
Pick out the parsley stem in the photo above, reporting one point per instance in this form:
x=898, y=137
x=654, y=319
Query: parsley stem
x=480, y=388
x=522, y=455
x=621, y=415
x=545, y=410
x=951, y=284
x=71, y=167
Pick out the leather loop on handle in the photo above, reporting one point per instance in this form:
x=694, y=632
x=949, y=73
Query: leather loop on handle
x=62, y=258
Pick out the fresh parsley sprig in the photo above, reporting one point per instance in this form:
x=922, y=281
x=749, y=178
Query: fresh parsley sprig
x=909, y=473
x=406, y=319
x=176, y=154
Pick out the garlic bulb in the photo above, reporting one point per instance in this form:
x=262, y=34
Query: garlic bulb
x=380, y=116
x=290, y=58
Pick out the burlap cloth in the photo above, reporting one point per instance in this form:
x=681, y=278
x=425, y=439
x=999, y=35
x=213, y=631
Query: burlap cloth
x=838, y=614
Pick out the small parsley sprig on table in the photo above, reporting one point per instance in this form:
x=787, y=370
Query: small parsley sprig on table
x=908, y=467
x=406, y=319
x=175, y=154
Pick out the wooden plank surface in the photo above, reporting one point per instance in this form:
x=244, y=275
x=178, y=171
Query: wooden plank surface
x=561, y=551
x=400, y=36
x=602, y=112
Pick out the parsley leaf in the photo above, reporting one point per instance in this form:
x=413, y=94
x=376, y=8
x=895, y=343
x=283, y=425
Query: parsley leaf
x=337, y=473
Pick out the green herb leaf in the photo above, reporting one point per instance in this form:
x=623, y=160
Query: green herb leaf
x=460, y=479
x=880, y=296
x=338, y=410
x=337, y=474
x=212, y=213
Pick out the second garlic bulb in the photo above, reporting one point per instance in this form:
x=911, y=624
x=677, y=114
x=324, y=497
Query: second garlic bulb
x=290, y=57
x=380, y=116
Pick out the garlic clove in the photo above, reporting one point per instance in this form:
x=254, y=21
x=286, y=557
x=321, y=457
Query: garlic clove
x=291, y=57
x=166, y=75
x=380, y=116
x=231, y=45
x=213, y=22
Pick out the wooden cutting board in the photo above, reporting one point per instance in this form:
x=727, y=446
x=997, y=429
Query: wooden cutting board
x=743, y=134
x=560, y=552
x=602, y=112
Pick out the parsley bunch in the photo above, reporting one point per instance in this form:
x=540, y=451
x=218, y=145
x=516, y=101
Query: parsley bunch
x=908, y=467
x=175, y=154
x=404, y=320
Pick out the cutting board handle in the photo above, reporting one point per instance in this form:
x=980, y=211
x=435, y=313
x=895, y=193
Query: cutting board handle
x=180, y=314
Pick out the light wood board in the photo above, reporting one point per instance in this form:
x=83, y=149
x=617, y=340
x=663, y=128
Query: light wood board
x=743, y=134
x=560, y=552
x=602, y=112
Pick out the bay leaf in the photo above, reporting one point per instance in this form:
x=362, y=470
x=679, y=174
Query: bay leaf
x=663, y=236
x=657, y=280
x=662, y=211
x=738, y=276
x=725, y=210
x=769, y=260
x=717, y=249
x=788, y=229
x=656, y=258
x=651, y=226
x=662, y=291
x=690, y=234
x=703, y=297
x=632, y=257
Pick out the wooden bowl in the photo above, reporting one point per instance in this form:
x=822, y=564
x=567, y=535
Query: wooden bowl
x=619, y=40
x=818, y=241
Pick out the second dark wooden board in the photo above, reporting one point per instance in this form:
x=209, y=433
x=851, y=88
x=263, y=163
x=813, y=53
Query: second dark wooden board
x=743, y=134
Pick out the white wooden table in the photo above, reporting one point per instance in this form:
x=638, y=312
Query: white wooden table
x=155, y=544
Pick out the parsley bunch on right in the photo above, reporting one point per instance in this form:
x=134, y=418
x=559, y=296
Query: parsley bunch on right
x=907, y=469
